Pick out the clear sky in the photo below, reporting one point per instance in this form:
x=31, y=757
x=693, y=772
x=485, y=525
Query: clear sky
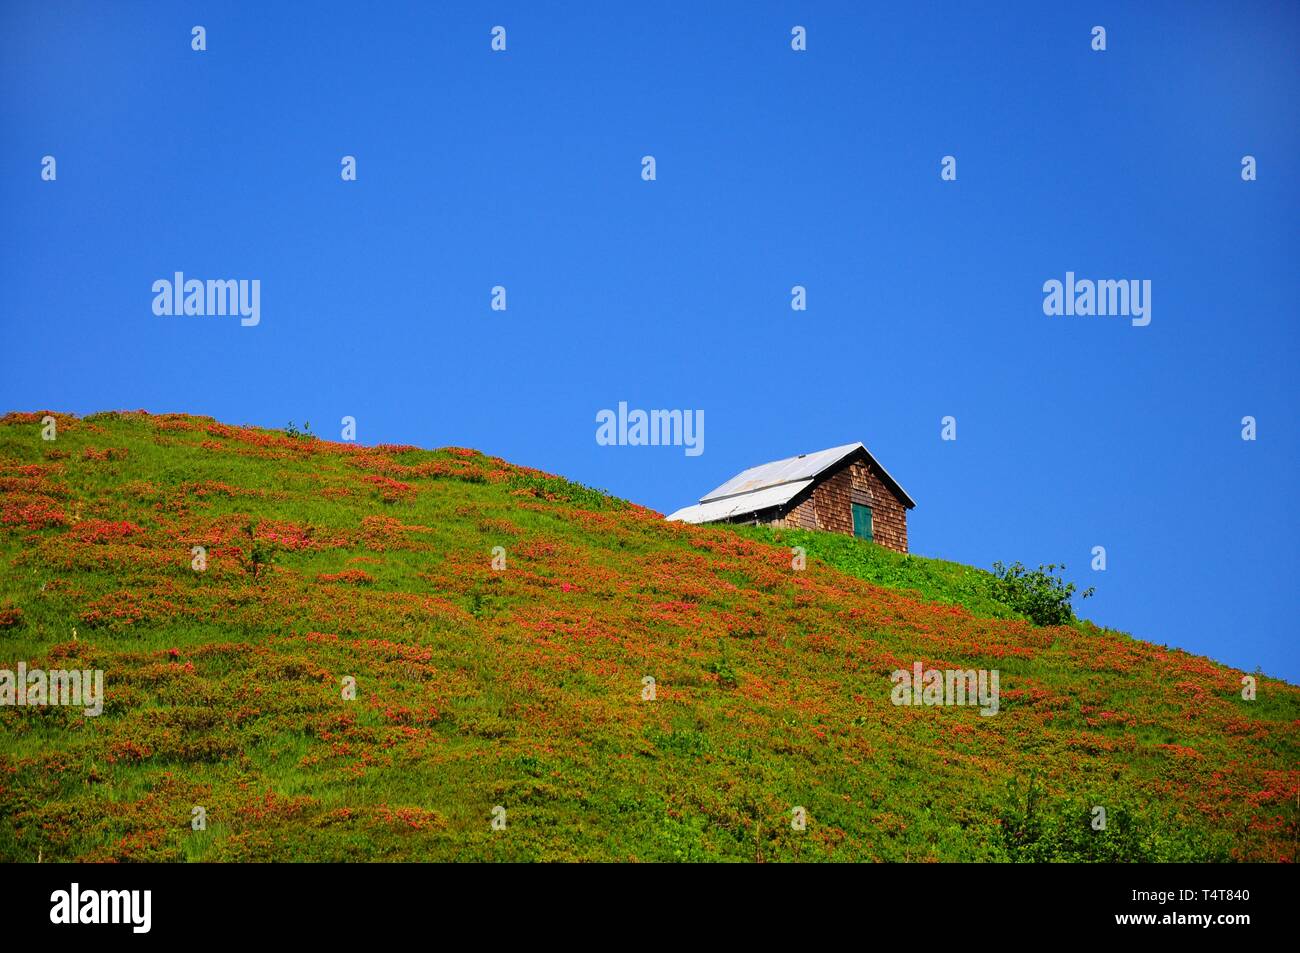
x=774, y=168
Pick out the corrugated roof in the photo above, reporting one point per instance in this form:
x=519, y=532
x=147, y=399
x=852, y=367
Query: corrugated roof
x=803, y=467
x=708, y=511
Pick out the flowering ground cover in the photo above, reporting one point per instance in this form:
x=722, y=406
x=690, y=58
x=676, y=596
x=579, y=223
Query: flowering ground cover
x=499, y=624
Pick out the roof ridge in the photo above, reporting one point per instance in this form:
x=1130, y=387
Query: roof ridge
x=788, y=470
x=782, y=471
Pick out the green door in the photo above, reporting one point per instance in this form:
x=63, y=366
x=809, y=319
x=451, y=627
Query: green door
x=862, y=521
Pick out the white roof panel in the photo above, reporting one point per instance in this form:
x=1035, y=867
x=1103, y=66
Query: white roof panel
x=709, y=511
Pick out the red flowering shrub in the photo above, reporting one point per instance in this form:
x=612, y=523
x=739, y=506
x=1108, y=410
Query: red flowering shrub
x=379, y=533
x=356, y=577
x=128, y=751
x=210, y=488
x=104, y=531
x=389, y=490
x=32, y=513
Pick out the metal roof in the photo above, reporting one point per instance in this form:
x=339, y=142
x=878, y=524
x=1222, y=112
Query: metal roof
x=775, y=484
x=803, y=467
x=708, y=511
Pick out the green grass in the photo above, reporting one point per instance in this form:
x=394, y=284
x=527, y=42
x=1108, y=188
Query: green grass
x=933, y=580
x=522, y=688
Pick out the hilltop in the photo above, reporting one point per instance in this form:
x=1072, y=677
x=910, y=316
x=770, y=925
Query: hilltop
x=521, y=685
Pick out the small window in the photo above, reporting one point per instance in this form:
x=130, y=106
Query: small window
x=862, y=527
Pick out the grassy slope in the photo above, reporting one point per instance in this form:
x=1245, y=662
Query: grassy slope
x=522, y=688
x=933, y=580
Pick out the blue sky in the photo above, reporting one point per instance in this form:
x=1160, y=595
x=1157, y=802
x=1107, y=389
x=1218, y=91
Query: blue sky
x=775, y=168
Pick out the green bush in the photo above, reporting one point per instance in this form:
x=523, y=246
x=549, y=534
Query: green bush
x=1036, y=593
x=1035, y=830
x=933, y=580
x=260, y=556
x=303, y=434
x=1012, y=592
x=726, y=673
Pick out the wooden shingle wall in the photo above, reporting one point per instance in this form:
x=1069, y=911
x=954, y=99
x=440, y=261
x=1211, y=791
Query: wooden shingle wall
x=829, y=508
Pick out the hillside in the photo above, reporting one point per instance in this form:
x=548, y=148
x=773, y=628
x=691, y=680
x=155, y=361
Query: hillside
x=522, y=687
